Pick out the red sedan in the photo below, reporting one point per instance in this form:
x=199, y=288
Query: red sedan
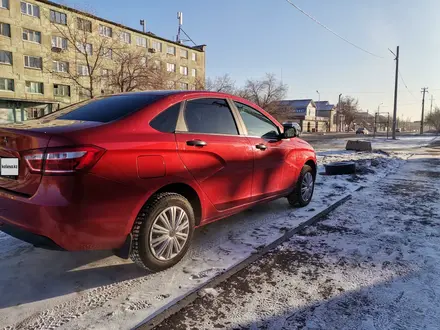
x=137, y=172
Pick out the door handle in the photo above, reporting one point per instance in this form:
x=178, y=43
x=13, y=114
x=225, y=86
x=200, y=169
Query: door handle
x=261, y=146
x=196, y=143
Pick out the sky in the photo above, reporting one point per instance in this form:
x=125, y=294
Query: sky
x=248, y=38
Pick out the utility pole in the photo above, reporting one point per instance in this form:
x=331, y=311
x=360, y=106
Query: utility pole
x=339, y=114
x=432, y=100
x=424, y=91
x=396, y=85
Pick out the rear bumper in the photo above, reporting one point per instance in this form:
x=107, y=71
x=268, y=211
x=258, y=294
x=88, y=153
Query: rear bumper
x=31, y=238
x=71, y=213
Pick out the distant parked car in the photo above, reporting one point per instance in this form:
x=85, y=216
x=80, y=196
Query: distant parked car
x=397, y=130
x=293, y=124
x=362, y=130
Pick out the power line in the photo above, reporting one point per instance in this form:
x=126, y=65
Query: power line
x=330, y=30
x=404, y=83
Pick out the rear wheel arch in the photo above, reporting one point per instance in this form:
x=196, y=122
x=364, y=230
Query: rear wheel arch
x=312, y=164
x=186, y=191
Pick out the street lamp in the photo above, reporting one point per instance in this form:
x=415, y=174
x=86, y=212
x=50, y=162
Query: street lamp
x=319, y=96
x=339, y=116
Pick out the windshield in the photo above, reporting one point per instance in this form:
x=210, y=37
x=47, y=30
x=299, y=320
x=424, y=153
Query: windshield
x=104, y=109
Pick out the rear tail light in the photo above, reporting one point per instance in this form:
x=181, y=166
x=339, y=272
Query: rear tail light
x=65, y=160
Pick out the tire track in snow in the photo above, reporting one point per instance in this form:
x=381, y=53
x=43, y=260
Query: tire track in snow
x=75, y=308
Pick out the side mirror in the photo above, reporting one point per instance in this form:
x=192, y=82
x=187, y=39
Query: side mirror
x=289, y=132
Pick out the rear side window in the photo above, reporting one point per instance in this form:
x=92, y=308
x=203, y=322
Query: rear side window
x=210, y=116
x=256, y=123
x=108, y=109
x=166, y=121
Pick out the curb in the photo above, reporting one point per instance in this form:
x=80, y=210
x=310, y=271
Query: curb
x=162, y=314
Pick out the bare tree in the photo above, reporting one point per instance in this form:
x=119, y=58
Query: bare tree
x=264, y=92
x=223, y=84
x=349, y=107
x=91, y=52
x=433, y=119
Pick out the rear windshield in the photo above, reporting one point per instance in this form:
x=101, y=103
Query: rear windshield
x=105, y=109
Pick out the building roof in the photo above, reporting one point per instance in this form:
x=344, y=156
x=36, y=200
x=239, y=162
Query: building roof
x=297, y=104
x=324, y=106
x=200, y=48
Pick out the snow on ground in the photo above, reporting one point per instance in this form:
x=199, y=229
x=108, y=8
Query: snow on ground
x=373, y=263
x=42, y=289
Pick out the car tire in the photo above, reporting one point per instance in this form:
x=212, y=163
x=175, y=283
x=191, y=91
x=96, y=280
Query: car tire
x=156, y=230
x=297, y=197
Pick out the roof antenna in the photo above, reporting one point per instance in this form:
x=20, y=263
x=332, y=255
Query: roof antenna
x=180, y=18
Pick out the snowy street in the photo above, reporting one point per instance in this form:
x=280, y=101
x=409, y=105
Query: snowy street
x=41, y=289
x=373, y=263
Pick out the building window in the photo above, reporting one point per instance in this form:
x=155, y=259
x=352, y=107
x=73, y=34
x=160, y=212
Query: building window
x=125, y=37
x=59, y=42
x=34, y=87
x=140, y=41
x=171, y=50
x=4, y=4
x=61, y=90
x=194, y=72
x=105, y=31
x=31, y=35
x=184, y=86
x=106, y=72
x=183, y=53
x=5, y=57
x=157, y=46
x=6, y=84
x=60, y=66
x=30, y=9
x=85, y=48
x=106, y=52
x=184, y=70
x=5, y=29
x=57, y=17
x=84, y=24
x=83, y=70
x=33, y=62
x=171, y=67
x=157, y=64
x=194, y=57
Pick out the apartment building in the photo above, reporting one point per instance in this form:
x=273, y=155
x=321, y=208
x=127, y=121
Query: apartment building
x=41, y=70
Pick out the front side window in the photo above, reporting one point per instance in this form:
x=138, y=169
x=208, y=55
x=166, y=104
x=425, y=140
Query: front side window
x=5, y=57
x=5, y=29
x=30, y=9
x=84, y=24
x=33, y=62
x=61, y=90
x=256, y=123
x=34, y=87
x=125, y=37
x=57, y=17
x=6, y=84
x=166, y=121
x=31, y=35
x=211, y=116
